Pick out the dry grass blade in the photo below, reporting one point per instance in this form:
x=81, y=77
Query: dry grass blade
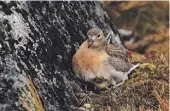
x=24, y=104
x=162, y=101
x=131, y=4
x=34, y=100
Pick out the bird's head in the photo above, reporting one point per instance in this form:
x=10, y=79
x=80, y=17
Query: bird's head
x=95, y=37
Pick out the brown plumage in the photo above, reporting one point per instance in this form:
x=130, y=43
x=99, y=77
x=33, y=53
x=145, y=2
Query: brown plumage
x=96, y=59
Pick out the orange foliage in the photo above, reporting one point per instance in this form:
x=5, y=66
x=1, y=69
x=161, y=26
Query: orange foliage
x=164, y=103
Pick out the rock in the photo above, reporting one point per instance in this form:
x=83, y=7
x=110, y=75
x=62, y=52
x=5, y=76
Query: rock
x=39, y=39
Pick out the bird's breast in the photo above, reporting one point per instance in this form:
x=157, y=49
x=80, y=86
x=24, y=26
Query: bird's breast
x=89, y=60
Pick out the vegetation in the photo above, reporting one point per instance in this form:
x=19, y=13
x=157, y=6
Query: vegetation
x=29, y=97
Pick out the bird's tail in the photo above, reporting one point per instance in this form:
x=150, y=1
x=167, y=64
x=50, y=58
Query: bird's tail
x=134, y=66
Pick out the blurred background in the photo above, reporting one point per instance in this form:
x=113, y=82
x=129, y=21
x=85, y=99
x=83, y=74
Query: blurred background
x=149, y=22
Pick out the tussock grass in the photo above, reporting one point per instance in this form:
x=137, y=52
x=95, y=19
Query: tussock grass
x=30, y=98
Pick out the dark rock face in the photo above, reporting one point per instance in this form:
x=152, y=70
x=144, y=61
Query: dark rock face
x=39, y=39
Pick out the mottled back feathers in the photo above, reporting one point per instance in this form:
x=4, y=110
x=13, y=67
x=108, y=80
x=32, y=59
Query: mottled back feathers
x=118, y=58
x=116, y=52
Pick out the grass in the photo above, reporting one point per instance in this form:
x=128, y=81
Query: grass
x=30, y=98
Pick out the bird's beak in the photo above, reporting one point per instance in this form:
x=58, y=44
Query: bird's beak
x=90, y=43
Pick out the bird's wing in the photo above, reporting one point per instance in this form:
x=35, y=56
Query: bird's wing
x=119, y=64
x=118, y=58
x=117, y=52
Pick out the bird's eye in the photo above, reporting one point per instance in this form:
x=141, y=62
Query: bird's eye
x=98, y=36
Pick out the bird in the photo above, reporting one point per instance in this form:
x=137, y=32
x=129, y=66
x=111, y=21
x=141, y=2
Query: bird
x=100, y=63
